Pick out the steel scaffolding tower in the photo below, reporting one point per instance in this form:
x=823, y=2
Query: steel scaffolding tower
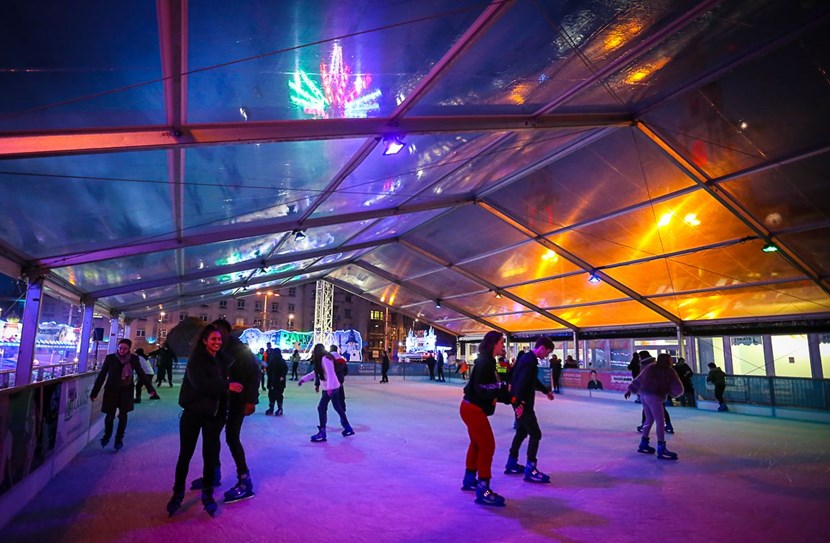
x=323, y=310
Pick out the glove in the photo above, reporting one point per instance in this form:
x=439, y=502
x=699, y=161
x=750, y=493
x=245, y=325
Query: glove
x=627, y=395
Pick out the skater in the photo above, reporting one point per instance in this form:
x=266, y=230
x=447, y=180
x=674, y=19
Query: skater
x=718, y=378
x=295, y=364
x=165, y=358
x=655, y=381
x=645, y=359
x=117, y=371
x=480, y=397
x=463, y=368
x=524, y=385
x=204, y=398
x=277, y=370
x=341, y=369
x=144, y=360
x=685, y=373
x=384, y=367
x=440, y=366
x=555, y=373
x=323, y=369
x=243, y=373
x=431, y=366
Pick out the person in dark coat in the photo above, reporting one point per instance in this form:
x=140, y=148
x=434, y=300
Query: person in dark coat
x=555, y=373
x=480, y=397
x=718, y=378
x=165, y=358
x=295, y=365
x=440, y=366
x=523, y=386
x=685, y=373
x=117, y=371
x=384, y=367
x=204, y=398
x=431, y=366
x=277, y=371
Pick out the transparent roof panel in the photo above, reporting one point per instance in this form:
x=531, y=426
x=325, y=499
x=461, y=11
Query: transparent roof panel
x=610, y=314
x=396, y=295
x=314, y=59
x=243, y=183
x=383, y=181
x=524, y=322
x=79, y=203
x=624, y=169
x=229, y=253
x=359, y=278
x=85, y=65
x=681, y=223
x=497, y=75
x=322, y=237
x=513, y=152
x=794, y=298
x=120, y=271
x=528, y=261
x=448, y=237
x=446, y=283
x=283, y=268
x=742, y=263
x=395, y=226
x=730, y=125
x=566, y=291
x=399, y=261
x=786, y=196
x=149, y=297
x=341, y=257
x=702, y=45
x=486, y=304
x=465, y=326
x=811, y=246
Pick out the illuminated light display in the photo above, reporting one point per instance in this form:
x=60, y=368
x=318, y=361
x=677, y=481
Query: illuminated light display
x=691, y=219
x=339, y=94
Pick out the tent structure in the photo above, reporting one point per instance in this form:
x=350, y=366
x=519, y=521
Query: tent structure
x=563, y=165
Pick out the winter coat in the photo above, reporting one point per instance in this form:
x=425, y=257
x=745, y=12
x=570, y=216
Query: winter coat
x=484, y=385
x=716, y=377
x=119, y=394
x=205, y=386
x=657, y=381
x=276, y=372
x=242, y=368
x=525, y=380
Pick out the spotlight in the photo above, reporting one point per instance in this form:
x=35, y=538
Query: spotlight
x=393, y=144
x=298, y=235
x=593, y=278
x=498, y=294
x=437, y=304
x=770, y=248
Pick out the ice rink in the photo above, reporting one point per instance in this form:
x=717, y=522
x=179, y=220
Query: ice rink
x=739, y=478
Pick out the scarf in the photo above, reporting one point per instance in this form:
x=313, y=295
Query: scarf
x=126, y=368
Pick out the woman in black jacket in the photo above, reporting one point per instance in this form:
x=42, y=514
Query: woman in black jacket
x=480, y=396
x=204, y=398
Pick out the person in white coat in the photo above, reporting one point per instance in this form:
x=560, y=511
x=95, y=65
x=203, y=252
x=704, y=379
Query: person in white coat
x=323, y=370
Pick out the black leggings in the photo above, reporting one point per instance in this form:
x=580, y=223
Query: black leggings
x=109, y=419
x=190, y=424
x=527, y=425
x=232, y=431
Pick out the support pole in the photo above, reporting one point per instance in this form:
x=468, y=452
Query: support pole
x=86, y=332
x=31, y=314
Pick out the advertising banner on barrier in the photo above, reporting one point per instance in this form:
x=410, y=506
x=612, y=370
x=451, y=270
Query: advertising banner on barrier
x=28, y=427
x=75, y=409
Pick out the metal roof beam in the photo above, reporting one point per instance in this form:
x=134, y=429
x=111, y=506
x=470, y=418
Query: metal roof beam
x=85, y=141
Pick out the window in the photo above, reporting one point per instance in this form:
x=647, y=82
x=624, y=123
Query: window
x=223, y=304
x=258, y=305
x=292, y=291
x=376, y=315
x=204, y=317
x=290, y=308
x=240, y=303
x=164, y=318
x=257, y=323
x=140, y=333
x=162, y=333
x=348, y=297
x=347, y=313
x=289, y=324
x=182, y=316
x=240, y=321
x=272, y=323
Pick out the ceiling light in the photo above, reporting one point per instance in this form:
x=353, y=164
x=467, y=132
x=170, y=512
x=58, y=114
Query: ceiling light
x=438, y=304
x=393, y=144
x=498, y=294
x=770, y=248
x=298, y=235
x=593, y=278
